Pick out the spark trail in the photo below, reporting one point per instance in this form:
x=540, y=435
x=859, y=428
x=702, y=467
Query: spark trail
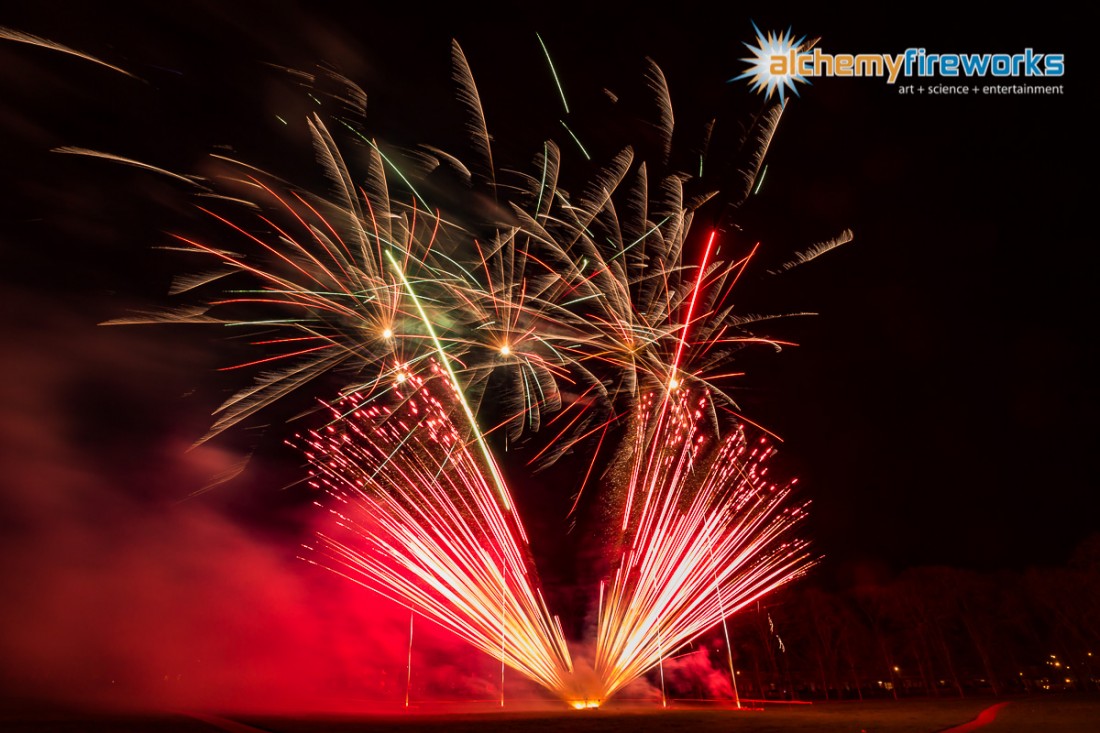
x=416, y=521
x=710, y=534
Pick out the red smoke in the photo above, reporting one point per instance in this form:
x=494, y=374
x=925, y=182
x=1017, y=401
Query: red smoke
x=696, y=675
x=122, y=597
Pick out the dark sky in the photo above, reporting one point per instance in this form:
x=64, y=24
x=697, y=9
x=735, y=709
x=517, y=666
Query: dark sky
x=940, y=409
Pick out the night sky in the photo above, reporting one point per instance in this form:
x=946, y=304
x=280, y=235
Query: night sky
x=940, y=409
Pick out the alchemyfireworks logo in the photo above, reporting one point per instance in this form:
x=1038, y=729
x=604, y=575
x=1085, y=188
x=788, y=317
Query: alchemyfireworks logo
x=779, y=62
x=764, y=75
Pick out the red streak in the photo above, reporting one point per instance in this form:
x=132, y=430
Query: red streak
x=775, y=702
x=691, y=306
x=328, y=226
x=984, y=718
x=286, y=340
x=275, y=358
x=588, y=473
x=744, y=264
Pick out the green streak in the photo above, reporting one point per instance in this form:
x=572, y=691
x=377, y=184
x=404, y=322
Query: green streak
x=526, y=395
x=554, y=72
x=390, y=163
x=427, y=206
x=395, y=450
x=378, y=395
x=446, y=460
x=637, y=241
x=360, y=295
x=542, y=395
x=581, y=299
x=547, y=344
x=497, y=479
x=760, y=180
x=576, y=140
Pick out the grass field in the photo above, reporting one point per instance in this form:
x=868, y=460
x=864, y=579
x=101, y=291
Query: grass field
x=1049, y=714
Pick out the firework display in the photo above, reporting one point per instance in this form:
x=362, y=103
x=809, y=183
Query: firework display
x=705, y=534
x=577, y=317
x=419, y=523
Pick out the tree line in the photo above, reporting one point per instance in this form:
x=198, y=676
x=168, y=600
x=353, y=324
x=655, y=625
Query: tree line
x=930, y=631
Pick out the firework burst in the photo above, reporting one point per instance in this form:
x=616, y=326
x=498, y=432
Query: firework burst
x=416, y=521
x=704, y=534
x=575, y=313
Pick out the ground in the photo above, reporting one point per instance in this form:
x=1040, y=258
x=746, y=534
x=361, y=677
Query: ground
x=1048, y=714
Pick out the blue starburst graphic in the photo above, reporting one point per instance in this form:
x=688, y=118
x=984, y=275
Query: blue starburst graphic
x=762, y=73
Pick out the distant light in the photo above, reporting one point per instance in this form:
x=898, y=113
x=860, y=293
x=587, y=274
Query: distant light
x=585, y=704
x=401, y=377
x=673, y=383
x=505, y=350
x=387, y=334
